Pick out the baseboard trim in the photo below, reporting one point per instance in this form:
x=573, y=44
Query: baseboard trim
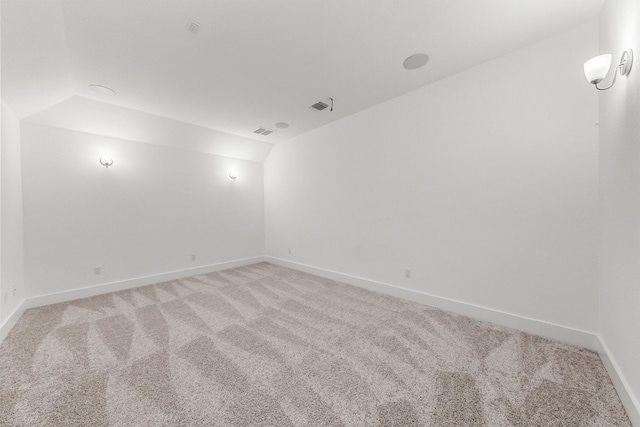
x=106, y=288
x=11, y=321
x=533, y=326
x=629, y=400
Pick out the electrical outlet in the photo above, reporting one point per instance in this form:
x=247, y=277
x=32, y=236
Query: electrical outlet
x=289, y=251
x=6, y=296
x=97, y=270
x=193, y=257
x=407, y=273
x=14, y=290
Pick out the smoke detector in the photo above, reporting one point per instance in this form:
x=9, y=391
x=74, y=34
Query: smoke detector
x=193, y=26
x=102, y=90
x=263, y=131
x=322, y=105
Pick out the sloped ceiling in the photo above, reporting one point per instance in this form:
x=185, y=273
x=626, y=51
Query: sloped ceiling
x=252, y=63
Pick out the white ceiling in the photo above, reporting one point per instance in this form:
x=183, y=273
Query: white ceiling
x=254, y=62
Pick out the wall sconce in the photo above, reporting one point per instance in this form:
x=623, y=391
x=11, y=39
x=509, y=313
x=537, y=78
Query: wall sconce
x=596, y=69
x=233, y=175
x=106, y=160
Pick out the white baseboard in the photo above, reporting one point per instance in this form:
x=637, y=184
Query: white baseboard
x=533, y=326
x=106, y=288
x=630, y=402
x=11, y=321
x=525, y=324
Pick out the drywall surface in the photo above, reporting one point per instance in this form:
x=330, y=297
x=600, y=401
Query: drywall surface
x=483, y=184
x=12, y=265
x=90, y=116
x=145, y=215
x=620, y=196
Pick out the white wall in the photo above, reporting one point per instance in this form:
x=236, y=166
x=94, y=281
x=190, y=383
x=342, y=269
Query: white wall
x=620, y=197
x=484, y=184
x=143, y=216
x=100, y=118
x=12, y=265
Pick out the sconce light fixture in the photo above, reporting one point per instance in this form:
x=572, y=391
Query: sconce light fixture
x=233, y=175
x=106, y=160
x=596, y=69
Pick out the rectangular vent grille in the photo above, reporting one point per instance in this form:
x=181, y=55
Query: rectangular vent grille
x=319, y=106
x=263, y=131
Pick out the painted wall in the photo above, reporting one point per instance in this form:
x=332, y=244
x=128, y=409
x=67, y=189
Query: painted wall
x=620, y=196
x=12, y=262
x=484, y=184
x=100, y=118
x=145, y=215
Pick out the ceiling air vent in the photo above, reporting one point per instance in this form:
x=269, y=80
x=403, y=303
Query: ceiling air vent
x=323, y=104
x=263, y=131
x=319, y=106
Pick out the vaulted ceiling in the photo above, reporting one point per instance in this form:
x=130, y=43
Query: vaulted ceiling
x=252, y=63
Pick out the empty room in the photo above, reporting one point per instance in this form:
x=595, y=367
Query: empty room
x=320, y=213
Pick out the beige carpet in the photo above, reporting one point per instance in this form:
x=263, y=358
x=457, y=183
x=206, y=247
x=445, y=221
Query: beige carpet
x=265, y=345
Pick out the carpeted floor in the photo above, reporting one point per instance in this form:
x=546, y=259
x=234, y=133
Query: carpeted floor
x=265, y=345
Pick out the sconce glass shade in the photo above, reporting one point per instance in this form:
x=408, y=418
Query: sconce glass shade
x=596, y=69
x=233, y=175
x=106, y=160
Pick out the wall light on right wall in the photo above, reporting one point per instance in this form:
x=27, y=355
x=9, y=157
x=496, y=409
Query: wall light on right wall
x=106, y=160
x=596, y=69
